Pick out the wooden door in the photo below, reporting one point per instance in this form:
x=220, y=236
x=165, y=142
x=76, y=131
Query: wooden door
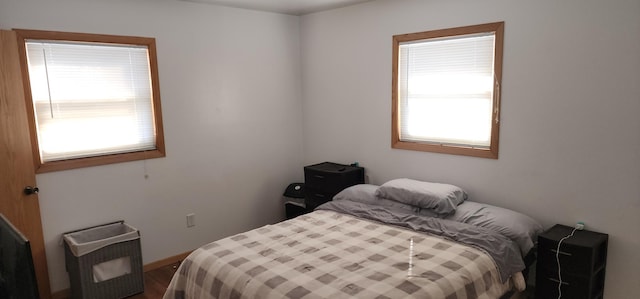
x=16, y=160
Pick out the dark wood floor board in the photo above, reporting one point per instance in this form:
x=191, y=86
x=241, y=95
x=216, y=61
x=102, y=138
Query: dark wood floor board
x=156, y=282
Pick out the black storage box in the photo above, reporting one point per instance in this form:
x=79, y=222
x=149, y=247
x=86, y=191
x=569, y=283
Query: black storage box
x=325, y=180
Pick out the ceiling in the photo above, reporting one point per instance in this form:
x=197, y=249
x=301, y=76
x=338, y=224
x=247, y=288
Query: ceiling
x=291, y=7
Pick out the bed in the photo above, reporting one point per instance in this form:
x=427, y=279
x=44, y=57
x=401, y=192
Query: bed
x=368, y=243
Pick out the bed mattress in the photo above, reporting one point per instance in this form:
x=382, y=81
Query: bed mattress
x=330, y=254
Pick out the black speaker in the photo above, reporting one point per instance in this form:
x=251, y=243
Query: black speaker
x=294, y=190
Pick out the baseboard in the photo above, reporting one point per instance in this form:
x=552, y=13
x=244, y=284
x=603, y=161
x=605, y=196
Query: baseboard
x=66, y=293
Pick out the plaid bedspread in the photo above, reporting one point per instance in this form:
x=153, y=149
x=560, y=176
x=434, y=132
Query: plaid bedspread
x=326, y=254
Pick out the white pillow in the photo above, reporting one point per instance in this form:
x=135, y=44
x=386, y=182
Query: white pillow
x=440, y=198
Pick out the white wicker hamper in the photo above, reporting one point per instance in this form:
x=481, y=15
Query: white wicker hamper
x=104, y=262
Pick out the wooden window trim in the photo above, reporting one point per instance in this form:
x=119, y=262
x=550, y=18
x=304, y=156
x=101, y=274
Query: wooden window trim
x=492, y=151
x=40, y=166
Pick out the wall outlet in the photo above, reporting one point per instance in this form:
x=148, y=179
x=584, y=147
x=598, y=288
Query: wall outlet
x=191, y=220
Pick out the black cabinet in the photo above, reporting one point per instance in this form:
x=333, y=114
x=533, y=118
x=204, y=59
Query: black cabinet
x=583, y=259
x=324, y=180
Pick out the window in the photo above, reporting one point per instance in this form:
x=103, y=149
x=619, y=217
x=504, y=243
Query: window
x=446, y=90
x=94, y=99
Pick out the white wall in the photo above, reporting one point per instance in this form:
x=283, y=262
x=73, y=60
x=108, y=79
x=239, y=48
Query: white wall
x=570, y=135
x=230, y=87
x=570, y=138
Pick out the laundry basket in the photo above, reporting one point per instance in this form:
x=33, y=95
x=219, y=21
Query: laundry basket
x=104, y=262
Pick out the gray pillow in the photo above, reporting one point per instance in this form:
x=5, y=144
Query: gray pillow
x=440, y=198
x=518, y=227
x=366, y=193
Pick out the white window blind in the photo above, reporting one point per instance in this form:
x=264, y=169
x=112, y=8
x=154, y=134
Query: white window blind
x=90, y=99
x=446, y=90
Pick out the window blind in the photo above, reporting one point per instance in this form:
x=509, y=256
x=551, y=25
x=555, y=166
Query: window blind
x=446, y=90
x=90, y=99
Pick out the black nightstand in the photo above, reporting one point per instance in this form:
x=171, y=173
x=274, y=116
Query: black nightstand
x=294, y=209
x=583, y=260
x=323, y=181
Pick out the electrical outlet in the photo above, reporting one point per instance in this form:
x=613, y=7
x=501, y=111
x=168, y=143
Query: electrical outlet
x=191, y=220
x=580, y=225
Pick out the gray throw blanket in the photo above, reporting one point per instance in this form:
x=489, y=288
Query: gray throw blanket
x=504, y=252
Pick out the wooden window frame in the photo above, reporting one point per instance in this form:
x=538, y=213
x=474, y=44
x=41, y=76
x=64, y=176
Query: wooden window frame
x=490, y=152
x=40, y=166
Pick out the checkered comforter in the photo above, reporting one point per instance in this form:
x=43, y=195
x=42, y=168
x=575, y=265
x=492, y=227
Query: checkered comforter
x=326, y=254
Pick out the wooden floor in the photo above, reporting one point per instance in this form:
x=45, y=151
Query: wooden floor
x=156, y=282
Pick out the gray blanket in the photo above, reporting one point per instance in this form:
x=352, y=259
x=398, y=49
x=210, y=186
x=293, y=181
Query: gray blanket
x=504, y=252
